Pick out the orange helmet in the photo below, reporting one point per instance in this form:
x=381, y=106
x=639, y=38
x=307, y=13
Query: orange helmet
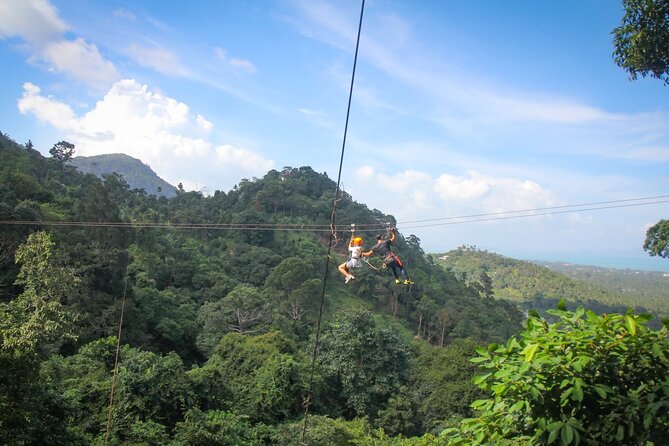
x=357, y=241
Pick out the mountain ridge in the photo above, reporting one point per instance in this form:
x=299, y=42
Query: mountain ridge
x=136, y=173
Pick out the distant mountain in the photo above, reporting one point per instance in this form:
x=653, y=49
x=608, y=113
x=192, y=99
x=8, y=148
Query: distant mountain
x=136, y=173
x=540, y=285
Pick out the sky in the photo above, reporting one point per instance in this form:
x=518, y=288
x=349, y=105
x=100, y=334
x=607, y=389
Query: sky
x=458, y=109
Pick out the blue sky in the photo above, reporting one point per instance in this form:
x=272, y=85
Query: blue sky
x=459, y=108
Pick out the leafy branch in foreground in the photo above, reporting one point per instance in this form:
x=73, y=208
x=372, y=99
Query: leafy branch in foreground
x=584, y=380
x=642, y=40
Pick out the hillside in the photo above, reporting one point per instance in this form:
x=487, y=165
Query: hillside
x=647, y=286
x=137, y=174
x=220, y=297
x=540, y=285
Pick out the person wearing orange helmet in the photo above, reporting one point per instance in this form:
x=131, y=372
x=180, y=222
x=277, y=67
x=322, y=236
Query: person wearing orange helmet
x=354, y=259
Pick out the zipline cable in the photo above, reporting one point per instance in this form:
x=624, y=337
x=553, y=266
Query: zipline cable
x=472, y=218
x=546, y=208
x=314, y=355
x=510, y=217
x=118, y=350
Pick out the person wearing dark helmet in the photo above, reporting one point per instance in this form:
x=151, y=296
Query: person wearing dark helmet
x=383, y=248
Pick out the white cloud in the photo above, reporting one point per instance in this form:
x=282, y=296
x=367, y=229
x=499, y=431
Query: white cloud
x=413, y=195
x=203, y=123
x=249, y=162
x=159, y=59
x=152, y=127
x=35, y=21
x=81, y=60
x=125, y=14
x=38, y=24
x=492, y=194
x=46, y=109
x=221, y=54
x=308, y=112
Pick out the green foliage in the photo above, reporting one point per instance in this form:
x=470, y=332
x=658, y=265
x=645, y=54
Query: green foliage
x=84, y=381
x=442, y=379
x=36, y=318
x=645, y=291
x=244, y=310
x=265, y=375
x=533, y=286
x=30, y=411
x=194, y=365
x=642, y=40
x=363, y=364
x=150, y=387
x=214, y=428
x=657, y=239
x=62, y=151
x=324, y=431
x=585, y=379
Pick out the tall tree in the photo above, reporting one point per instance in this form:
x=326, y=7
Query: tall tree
x=641, y=42
x=62, y=151
x=29, y=326
x=36, y=318
x=365, y=364
x=657, y=239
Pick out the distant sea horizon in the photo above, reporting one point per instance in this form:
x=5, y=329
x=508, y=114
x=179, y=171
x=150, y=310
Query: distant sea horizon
x=650, y=264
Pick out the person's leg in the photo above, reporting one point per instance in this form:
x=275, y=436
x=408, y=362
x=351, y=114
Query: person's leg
x=343, y=269
x=393, y=268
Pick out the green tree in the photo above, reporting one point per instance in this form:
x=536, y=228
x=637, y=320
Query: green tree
x=265, y=375
x=442, y=384
x=37, y=318
x=150, y=388
x=364, y=364
x=641, y=42
x=586, y=379
x=243, y=310
x=214, y=428
x=31, y=325
x=657, y=239
x=62, y=151
x=84, y=382
x=325, y=431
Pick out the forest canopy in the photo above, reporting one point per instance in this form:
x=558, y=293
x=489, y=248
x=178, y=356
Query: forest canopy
x=219, y=299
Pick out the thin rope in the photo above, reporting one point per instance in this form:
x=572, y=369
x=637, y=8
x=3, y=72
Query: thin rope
x=333, y=216
x=473, y=218
x=548, y=208
x=118, y=350
x=370, y=265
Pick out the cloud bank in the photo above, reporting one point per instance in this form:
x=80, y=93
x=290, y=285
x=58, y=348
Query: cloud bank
x=152, y=127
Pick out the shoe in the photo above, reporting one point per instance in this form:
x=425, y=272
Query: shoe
x=408, y=282
x=397, y=281
x=349, y=278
